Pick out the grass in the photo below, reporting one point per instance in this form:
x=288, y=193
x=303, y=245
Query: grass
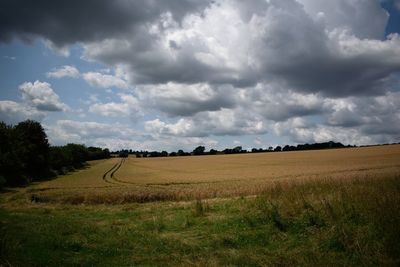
x=314, y=208
x=350, y=222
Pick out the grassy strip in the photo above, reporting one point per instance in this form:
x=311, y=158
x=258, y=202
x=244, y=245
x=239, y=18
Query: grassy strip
x=319, y=223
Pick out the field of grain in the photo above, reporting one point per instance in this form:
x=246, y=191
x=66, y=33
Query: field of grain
x=184, y=178
x=313, y=208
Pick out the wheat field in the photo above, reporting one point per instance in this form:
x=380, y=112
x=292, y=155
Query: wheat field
x=311, y=208
x=183, y=178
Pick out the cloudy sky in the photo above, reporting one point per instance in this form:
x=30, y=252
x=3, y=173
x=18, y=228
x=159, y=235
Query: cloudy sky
x=168, y=75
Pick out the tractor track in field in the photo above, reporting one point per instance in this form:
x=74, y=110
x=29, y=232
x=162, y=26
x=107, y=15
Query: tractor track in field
x=114, y=178
x=108, y=175
x=116, y=169
x=111, y=178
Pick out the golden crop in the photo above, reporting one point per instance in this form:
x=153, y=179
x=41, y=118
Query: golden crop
x=180, y=178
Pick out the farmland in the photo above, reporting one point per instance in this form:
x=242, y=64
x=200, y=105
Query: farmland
x=318, y=208
x=185, y=178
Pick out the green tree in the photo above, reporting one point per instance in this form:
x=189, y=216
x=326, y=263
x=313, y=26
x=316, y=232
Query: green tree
x=237, y=149
x=199, y=150
x=59, y=159
x=25, y=154
x=78, y=154
x=213, y=152
x=32, y=148
x=11, y=171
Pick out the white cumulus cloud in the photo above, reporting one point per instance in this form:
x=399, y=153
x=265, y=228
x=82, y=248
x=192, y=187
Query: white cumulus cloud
x=41, y=96
x=13, y=112
x=128, y=106
x=98, y=79
x=64, y=71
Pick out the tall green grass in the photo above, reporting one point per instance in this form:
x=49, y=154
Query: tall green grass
x=353, y=222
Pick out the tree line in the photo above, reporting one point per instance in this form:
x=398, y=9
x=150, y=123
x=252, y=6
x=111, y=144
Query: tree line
x=200, y=150
x=26, y=156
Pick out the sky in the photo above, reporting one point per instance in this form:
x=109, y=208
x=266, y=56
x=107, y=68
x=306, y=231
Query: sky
x=169, y=75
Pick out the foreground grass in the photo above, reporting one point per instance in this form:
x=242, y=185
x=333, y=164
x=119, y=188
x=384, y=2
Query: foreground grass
x=316, y=223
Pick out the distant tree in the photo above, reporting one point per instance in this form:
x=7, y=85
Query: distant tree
x=59, y=159
x=213, y=152
x=234, y=150
x=237, y=149
x=199, y=150
x=288, y=148
x=123, y=154
x=164, y=154
x=106, y=153
x=95, y=153
x=78, y=154
x=227, y=151
x=278, y=148
x=173, y=154
x=154, y=154
x=182, y=153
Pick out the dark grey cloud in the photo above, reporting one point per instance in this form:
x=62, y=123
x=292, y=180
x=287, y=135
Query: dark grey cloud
x=305, y=48
x=277, y=103
x=67, y=22
x=353, y=120
x=350, y=14
x=227, y=67
x=187, y=99
x=312, y=55
x=345, y=118
x=370, y=115
x=333, y=76
x=305, y=45
x=149, y=58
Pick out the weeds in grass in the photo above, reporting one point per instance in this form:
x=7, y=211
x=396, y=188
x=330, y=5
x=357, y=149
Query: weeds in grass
x=270, y=211
x=319, y=222
x=200, y=208
x=187, y=222
x=358, y=213
x=158, y=224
